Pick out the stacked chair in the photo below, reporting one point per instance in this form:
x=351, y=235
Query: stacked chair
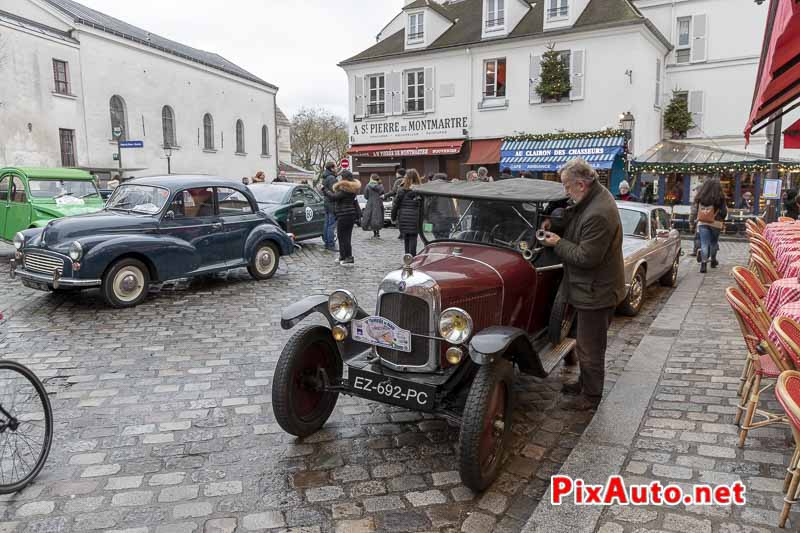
x=787, y=390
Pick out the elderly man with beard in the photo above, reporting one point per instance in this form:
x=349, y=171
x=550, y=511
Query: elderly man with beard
x=590, y=247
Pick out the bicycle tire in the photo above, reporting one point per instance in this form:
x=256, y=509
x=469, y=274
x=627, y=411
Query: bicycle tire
x=47, y=440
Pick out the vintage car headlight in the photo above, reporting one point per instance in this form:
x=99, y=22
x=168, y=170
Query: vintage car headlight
x=455, y=325
x=342, y=306
x=75, y=251
x=19, y=241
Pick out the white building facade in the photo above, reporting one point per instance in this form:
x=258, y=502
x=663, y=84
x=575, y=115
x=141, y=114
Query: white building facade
x=77, y=81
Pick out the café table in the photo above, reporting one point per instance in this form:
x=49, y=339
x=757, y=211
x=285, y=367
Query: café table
x=782, y=292
x=786, y=259
x=790, y=310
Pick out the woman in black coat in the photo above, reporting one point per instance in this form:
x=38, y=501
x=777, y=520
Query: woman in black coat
x=405, y=210
x=345, y=207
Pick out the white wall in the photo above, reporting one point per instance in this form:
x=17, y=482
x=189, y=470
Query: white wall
x=285, y=143
x=37, y=11
x=26, y=97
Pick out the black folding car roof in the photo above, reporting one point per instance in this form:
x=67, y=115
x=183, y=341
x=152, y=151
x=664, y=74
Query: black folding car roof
x=510, y=190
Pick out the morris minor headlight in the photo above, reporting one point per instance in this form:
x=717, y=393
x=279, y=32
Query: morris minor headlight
x=19, y=241
x=342, y=306
x=455, y=325
x=75, y=251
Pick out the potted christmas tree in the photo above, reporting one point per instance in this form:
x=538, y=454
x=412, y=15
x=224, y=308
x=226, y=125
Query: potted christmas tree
x=554, y=82
x=677, y=118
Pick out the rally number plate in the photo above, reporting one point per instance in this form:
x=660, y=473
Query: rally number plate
x=378, y=331
x=392, y=390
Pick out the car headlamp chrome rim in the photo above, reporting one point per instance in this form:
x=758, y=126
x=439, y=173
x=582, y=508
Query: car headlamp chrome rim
x=75, y=251
x=19, y=241
x=455, y=325
x=342, y=306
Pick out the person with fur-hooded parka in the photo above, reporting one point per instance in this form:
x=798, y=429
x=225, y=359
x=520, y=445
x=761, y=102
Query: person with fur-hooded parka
x=345, y=207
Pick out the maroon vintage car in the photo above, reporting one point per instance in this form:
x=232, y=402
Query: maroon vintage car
x=449, y=327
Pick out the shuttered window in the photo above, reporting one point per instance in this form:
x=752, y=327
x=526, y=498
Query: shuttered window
x=376, y=94
x=67, y=140
x=415, y=90
x=494, y=78
x=416, y=27
x=61, y=76
x=168, y=126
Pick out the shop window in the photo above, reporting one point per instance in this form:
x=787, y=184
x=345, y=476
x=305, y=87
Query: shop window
x=557, y=9
x=376, y=97
x=415, y=90
x=416, y=28
x=61, y=77
x=495, y=15
x=494, y=78
x=67, y=141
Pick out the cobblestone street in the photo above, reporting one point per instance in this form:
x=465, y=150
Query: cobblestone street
x=164, y=423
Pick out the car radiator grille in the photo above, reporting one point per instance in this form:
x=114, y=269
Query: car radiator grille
x=44, y=264
x=484, y=308
x=413, y=314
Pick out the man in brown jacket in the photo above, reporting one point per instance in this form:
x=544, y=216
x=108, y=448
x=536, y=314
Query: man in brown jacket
x=594, y=274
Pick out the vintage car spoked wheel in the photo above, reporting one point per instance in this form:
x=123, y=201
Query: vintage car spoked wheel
x=562, y=318
x=125, y=284
x=670, y=279
x=486, y=424
x=299, y=400
x=264, y=262
x=633, y=302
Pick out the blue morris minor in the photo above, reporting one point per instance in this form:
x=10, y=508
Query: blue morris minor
x=152, y=230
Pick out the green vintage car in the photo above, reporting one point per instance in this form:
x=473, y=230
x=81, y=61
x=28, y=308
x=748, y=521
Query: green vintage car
x=32, y=197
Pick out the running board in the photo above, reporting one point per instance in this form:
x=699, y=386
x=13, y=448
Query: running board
x=550, y=355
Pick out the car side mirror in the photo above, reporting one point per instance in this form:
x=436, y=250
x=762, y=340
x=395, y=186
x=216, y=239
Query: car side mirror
x=299, y=203
x=169, y=215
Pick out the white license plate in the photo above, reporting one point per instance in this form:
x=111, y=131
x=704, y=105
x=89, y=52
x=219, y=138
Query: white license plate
x=378, y=331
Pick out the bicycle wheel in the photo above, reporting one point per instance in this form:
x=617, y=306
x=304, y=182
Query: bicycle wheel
x=26, y=426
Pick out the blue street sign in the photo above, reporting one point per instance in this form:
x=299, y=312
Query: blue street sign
x=131, y=144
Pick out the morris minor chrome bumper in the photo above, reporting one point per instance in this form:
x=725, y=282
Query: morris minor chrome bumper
x=53, y=280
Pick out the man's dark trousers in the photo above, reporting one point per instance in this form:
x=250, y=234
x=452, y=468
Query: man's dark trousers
x=591, y=349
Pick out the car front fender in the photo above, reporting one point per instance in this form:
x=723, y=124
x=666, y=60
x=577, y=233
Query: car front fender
x=171, y=258
x=497, y=341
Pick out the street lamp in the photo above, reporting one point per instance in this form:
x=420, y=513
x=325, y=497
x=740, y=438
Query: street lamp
x=168, y=154
x=627, y=123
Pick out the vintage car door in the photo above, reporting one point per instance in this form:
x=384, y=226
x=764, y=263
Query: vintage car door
x=4, y=186
x=18, y=209
x=665, y=239
x=308, y=220
x=192, y=218
x=238, y=219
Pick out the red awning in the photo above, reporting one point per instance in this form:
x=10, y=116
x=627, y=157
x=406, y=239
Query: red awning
x=412, y=149
x=484, y=152
x=778, y=82
x=791, y=136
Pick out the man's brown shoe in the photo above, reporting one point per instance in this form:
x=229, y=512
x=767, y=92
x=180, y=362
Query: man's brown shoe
x=580, y=403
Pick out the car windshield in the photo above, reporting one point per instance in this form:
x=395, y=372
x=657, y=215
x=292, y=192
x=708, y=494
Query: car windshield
x=138, y=199
x=634, y=223
x=481, y=221
x=63, y=191
x=270, y=194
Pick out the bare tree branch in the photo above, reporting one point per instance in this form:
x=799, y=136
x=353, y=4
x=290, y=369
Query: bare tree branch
x=318, y=136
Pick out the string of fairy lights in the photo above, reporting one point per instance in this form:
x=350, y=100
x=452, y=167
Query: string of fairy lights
x=561, y=136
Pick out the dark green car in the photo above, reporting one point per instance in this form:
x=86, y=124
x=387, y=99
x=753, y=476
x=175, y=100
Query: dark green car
x=32, y=197
x=299, y=209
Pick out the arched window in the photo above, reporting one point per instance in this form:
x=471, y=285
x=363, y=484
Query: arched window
x=208, y=132
x=264, y=140
x=119, y=125
x=239, y=137
x=168, y=126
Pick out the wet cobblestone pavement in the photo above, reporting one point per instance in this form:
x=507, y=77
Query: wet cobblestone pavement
x=163, y=420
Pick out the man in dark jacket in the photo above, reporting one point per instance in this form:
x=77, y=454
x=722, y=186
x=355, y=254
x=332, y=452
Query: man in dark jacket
x=594, y=274
x=328, y=181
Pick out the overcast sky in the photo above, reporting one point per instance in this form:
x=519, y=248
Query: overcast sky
x=294, y=44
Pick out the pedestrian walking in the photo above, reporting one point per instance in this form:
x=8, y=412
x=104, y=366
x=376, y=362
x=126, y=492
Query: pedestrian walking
x=594, y=274
x=483, y=175
x=792, y=209
x=625, y=193
x=440, y=211
x=711, y=211
x=372, y=217
x=328, y=181
x=399, y=176
x=345, y=207
x=405, y=210
x=281, y=177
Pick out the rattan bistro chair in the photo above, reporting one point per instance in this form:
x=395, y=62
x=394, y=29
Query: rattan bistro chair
x=754, y=290
x=787, y=390
x=765, y=269
x=761, y=224
x=763, y=361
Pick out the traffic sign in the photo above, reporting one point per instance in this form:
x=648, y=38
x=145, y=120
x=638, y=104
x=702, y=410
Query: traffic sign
x=345, y=163
x=131, y=144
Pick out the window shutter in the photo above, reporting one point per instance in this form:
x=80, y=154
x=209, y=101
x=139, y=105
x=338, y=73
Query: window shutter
x=396, y=88
x=699, y=38
x=658, y=82
x=430, y=92
x=696, y=109
x=358, y=107
x=535, y=75
x=577, y=65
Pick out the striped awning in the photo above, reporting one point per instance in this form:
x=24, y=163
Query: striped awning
x=552, y=154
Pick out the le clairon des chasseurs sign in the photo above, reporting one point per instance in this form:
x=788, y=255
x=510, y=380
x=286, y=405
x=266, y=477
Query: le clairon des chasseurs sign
x=409, y=128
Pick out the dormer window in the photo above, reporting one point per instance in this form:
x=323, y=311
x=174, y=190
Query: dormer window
x=495, y=15
x=416, y=27
x=557, y=9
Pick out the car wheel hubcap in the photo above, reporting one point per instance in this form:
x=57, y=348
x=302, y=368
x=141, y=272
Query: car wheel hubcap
x=128, y=284
x=675, y=272
x=307, y=390
x=265, y=260
x=636, y=291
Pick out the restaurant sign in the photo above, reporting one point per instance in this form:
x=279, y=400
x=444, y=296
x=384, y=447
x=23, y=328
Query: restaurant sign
x=394, y=129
